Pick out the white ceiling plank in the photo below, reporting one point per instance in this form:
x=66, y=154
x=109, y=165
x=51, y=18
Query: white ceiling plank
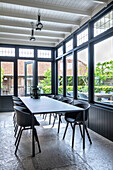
x=28, y=32
x=27, y=38
x=100, y=1
x=48, y=7
x=33, y=18
x=27, y=25
x=19, y=42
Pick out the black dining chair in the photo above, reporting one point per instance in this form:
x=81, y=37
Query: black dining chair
x=76, y=118
x=24, y=121
x=65, y=100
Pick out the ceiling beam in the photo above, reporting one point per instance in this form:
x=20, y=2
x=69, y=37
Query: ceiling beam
x=28, y=32
x=23, y=37
x=22, y=24
x=34, y=18
x=48, y=7
x=19, y=42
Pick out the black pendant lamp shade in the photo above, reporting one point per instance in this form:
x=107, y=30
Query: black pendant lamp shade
x=39, y=25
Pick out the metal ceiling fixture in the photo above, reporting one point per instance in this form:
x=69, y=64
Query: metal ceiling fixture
x=39, y=25
x=32, y=38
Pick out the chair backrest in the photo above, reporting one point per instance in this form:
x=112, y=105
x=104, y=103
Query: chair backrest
x=57, y=97
x=23, y=118
x=51, y=95
x=78, y=116
x=15, y=98
x=17, y=103
x=67, y=100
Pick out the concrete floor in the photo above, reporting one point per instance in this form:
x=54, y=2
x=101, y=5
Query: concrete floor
x=56, y=154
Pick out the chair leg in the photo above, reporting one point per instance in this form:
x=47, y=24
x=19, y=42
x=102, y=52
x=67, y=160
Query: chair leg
x=80, y=130
x=45, y=117
x=18, y=140
x=73, y=135
x=50, y=119
x=16, y=129
x=54, y=120
x=65, y=130
x=88, y=135
x=59, y=123
x=36, y=137
x=17, y=136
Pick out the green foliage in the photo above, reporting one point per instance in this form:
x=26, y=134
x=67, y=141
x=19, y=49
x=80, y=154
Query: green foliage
x=103, y=71
x=69, y=80
x=47, y=79
x=2, y=74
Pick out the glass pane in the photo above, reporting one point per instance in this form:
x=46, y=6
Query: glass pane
x=60, y=77
x=82, y=37
x=104, y=71
x=26, y=52
x=7, y=52
x=24, y=89
x=69, y=75
x=60, y=51
x=103, y=24
x=7, y=78
x=44, y=76
x=82, y=65
x=44, y=53
x=29, y=76
x=69, y=45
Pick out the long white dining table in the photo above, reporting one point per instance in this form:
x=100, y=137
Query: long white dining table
x=49, y=105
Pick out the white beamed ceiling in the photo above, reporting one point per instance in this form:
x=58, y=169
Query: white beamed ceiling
x=59, y=17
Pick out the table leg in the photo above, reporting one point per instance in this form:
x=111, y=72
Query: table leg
x=33, y=144
x=84, y=129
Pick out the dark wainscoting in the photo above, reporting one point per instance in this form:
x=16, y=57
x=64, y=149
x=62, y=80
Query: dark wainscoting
x=6, y=104
x=101, y=121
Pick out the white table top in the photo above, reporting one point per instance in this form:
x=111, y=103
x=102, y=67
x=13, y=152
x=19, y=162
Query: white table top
x=48, y=105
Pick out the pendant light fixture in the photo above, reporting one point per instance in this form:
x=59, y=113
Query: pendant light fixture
x=32, y=38
x=39, y=25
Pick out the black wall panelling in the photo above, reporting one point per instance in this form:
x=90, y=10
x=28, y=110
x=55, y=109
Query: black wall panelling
x=101, y=121
x=6, y=104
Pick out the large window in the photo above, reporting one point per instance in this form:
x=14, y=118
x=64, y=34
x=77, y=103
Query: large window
x=82, y=37
x=26, y=52
x=103, y=24
x=7, y=78
x=60, y=76
x=7, y=52
x=103, y=53
x=44, y=76
x=69, y=75
x=82, y=65
x=25, y=77
x=44, y=53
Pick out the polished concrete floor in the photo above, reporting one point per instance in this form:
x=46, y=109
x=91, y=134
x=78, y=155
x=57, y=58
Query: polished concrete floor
x=56, y=154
